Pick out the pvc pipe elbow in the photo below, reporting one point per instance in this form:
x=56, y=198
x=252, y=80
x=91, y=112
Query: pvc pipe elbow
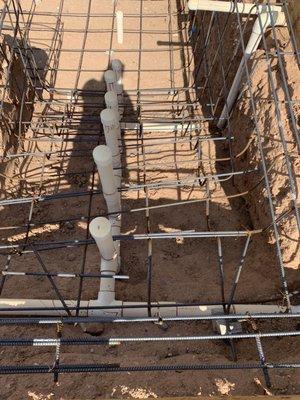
x=261, y=24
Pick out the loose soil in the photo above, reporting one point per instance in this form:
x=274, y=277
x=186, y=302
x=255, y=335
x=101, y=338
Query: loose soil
x=183, y=270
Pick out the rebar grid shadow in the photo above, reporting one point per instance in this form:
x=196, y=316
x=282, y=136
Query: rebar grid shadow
x=64, y=129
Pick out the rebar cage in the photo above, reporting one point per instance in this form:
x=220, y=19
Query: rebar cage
x=182, y=179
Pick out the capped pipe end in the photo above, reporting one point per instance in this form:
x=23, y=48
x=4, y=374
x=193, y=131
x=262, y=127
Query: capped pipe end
x=102, y=156
x=110, y=76
x=111, y=99
x=100, y=228
x=117, y=65
x=109, y=117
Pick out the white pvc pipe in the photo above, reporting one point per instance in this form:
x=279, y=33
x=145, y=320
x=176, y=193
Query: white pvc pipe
x=260, y=26
x=163, y=312
x=110, y=182
x=230, y=6
x=117, y=67
x=111, y=101
x=265, y=15
x=112, y=132
x=101, y=231
x=110, y=78
x=254, y=41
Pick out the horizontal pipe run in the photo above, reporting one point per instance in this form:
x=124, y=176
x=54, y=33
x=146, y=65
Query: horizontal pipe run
x=231, y=7
x=117, y=309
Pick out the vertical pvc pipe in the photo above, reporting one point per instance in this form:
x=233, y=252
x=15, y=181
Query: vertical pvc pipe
x=110, y=78
x=110, y=183
x=103, y=158
x=100, y=229
x=117, y=67
x=111, y=101
x=112, y=132
x=259, y=28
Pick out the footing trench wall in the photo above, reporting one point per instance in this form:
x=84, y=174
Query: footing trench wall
x=149, y=238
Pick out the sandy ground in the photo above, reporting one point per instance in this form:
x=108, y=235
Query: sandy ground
x=185, y=271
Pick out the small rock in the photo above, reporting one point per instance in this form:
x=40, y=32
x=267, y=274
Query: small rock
x=162, y=325
x=94, y=329
x=69, y=225
x=71, y=257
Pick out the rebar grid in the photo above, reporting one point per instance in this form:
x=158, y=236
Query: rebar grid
x=55, y=164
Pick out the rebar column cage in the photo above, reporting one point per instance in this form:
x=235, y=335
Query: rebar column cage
x=177, y=76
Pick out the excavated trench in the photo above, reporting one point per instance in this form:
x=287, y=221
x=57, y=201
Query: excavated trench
x=182, y=176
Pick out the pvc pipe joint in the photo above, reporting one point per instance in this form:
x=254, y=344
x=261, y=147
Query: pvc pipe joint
x=263, y=21
x=112, y=132
x=111, y=101
x=117, y=67
x=110, y=78
x=101, y=231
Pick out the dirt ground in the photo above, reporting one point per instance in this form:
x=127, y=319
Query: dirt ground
x=183, y=270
